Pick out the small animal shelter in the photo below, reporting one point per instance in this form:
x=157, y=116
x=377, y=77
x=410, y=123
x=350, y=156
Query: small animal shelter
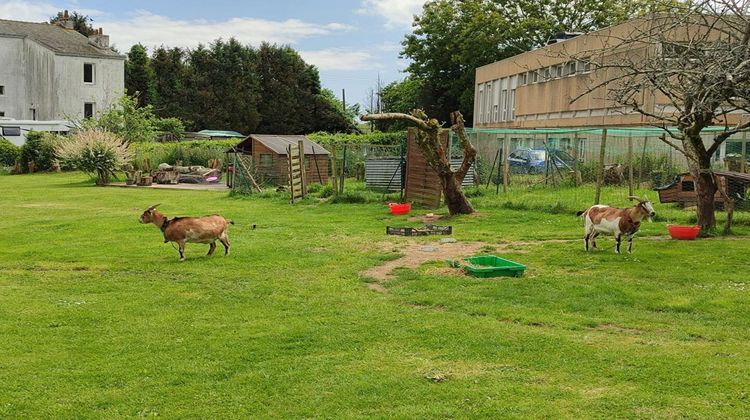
x=267, y=156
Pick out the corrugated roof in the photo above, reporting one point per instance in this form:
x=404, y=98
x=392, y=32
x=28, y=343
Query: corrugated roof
x=279, y=143
x=221, y=133
x=56, y=38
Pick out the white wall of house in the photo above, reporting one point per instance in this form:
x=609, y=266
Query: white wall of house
x=72, y=93
x=12, y=77
x=40, y=84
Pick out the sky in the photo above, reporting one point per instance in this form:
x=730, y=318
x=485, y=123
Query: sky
x=352, y=42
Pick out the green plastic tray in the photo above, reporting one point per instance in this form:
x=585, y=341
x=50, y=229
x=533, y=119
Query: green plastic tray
x=490, y=266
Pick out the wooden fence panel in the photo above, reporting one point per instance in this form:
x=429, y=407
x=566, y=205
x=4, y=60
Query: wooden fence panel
x=422, y=182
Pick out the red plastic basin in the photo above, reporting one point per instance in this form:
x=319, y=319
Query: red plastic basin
x=398, y=209
x=685, y=233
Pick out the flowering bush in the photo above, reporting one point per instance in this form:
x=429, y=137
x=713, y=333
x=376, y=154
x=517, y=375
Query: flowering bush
x=96, y=152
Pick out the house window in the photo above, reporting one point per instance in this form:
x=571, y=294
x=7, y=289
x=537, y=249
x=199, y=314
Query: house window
x=88, y=73
x=266, y=159
x=12, y=131
x=2, y=113
x=584, y=66
x=570, y=68
x=88, y=110
x=2, y=90
x=534, y=76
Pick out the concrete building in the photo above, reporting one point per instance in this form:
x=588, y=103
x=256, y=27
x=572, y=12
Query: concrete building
x=52, y=72
x=535, y=89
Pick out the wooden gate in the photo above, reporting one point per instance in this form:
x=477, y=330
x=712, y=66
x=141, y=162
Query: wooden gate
x=296, y=158
x=422, y=182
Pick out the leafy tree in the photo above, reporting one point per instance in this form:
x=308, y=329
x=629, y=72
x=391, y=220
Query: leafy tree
x=330, y=116
x=451, y=39
x=401, y=97
x=139, y=77
x=170, y=73
x=80, y=22
x=40, y=149
x=9, y=152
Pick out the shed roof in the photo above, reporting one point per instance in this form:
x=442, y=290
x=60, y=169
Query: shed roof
x=279, y=143
x=221, y=133
x=56, y=38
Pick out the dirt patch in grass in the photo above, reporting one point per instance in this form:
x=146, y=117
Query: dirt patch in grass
x=619, y=329
x=414, y=255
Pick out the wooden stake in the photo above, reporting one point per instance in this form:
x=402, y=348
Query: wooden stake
x=600, y=172
x=506, y=164
x=630, y=164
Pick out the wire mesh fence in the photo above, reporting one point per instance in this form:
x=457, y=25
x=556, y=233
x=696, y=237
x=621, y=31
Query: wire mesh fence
x=568, y=168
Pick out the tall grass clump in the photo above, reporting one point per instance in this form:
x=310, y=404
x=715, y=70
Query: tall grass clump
x=96, y=152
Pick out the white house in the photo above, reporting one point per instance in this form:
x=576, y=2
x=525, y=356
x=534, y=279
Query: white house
x=51, y=72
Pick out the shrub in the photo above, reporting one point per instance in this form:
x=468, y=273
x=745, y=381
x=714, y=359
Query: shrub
x=95, y=151
x=40, y=149
x=326, y=191
x=9, y=152
x=350, y=198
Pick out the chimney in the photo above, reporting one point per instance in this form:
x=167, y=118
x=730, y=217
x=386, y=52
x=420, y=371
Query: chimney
x=65, y=21
x=99, y=39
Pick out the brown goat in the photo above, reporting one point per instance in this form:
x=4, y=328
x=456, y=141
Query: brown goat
x=600, y=219
x=202, y=230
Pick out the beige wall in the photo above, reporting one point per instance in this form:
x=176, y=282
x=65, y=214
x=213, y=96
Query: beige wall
x=550, y=103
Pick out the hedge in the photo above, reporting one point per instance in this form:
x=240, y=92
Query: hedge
x=191, y=153
x=396, y=137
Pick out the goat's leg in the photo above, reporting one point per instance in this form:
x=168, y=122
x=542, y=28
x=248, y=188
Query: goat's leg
x=593, y=240
x=182, y=250
x=586, y=241
x=630, y=244
x=211, y=248
x=225, y=241
x=618, y=241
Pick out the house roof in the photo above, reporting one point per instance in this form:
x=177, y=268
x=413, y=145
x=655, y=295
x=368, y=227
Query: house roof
x=58, y=39
x=279, y=143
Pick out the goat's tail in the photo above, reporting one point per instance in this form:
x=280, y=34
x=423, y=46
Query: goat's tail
x=580, y=213
x=231, y=222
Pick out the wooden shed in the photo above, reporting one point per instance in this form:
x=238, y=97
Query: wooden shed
x=682, y=189
x=269, y=157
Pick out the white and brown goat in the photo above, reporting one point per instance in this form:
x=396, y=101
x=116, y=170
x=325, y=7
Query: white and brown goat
x=202, y=230
x=600, y=219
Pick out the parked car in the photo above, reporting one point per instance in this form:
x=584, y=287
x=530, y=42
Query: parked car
x=533, y=161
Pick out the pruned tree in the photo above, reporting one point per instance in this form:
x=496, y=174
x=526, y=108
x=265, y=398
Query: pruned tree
x=437, y=155
x=684, y=69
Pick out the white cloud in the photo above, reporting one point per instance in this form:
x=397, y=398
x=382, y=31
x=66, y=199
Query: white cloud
x=340, y=59
x=39, y=11
x=397, y=13
x=153, y=30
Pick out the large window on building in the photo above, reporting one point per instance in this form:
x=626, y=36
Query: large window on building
x=89, y=109
x=88, y=73
x=2, y=90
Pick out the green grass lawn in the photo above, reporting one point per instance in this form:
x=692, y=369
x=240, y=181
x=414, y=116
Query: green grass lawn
x=99, y=319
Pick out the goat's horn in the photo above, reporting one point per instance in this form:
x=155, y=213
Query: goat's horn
x=154, y=206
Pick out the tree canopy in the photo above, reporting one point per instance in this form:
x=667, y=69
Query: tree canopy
x=230, y=86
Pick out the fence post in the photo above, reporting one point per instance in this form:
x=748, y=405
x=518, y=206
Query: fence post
x=343, y=172
x=333, y=171
x=643, y=159
x=600, y=172
x=630, y=164
x=506, y=163
x=576, y=156
x=743, y=161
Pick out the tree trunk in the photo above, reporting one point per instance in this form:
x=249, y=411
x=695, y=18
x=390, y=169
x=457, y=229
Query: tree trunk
x=455, y=199
x=699, y=163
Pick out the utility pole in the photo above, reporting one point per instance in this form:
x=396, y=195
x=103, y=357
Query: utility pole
x=343, y=99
